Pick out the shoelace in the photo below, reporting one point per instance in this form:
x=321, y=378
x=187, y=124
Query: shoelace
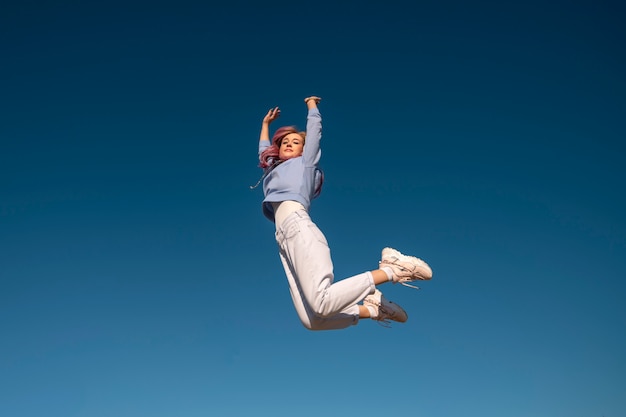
x=383, y=322
x=409, y=285
x=405, y=283
x=381, y=310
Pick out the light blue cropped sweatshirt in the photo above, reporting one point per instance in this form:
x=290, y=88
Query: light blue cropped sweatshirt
x=297, y=178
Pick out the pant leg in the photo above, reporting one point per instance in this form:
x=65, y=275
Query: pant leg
x=309, y=319
x=306, y=258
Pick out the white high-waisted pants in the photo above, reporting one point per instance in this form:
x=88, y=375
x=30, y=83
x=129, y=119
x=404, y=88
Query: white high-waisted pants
x=320, y=303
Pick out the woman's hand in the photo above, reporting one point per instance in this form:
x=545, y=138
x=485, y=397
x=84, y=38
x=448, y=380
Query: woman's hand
x=271, y=115
x=315, y=99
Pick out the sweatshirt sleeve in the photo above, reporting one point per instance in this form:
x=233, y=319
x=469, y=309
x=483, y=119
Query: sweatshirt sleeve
x=312, y=151
x=263, y=145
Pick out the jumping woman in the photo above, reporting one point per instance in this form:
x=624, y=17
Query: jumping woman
x=291, y=179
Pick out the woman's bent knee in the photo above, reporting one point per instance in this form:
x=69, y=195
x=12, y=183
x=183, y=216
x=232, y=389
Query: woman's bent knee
x=313, y=323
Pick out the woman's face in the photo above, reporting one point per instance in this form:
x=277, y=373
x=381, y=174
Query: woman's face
x=291, y=146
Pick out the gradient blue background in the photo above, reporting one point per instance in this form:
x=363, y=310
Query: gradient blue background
x=139, y=277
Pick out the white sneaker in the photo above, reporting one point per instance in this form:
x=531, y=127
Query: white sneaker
x=385, y=309
x=405, y=268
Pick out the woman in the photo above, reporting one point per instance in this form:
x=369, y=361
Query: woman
x=291, y=180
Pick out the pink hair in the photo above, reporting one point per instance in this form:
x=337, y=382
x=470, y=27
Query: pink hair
x=269, y=157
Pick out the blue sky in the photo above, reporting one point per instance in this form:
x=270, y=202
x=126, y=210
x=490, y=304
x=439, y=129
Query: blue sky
x=139, y=277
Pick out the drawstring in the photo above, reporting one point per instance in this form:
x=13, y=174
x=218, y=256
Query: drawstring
x=252, y=187
x=267, y=171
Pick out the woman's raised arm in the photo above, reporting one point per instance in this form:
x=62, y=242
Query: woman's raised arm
x=271, y=115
